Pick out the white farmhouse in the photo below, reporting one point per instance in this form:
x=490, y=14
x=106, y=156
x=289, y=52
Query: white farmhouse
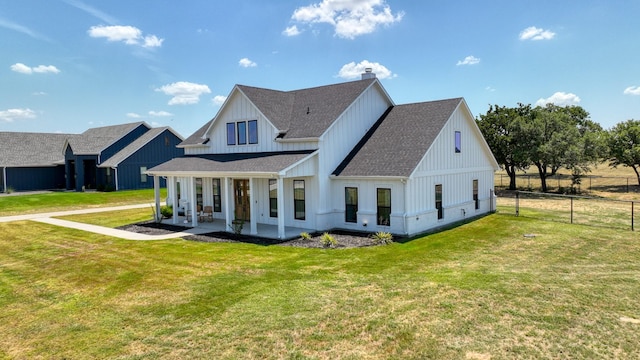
x=341, y=156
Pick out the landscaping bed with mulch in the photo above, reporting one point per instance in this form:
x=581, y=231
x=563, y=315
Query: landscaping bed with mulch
x=345, y=239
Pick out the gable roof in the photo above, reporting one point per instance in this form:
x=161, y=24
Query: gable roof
x=396, y=144
x=297, y=114
x=136, y=145
x=19, y=149
x=93, y=141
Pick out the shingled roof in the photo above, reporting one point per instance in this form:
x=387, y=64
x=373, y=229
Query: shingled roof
x=304, y=113
x=93, y=141
x=21, y=149
x=136, y=145
x=267, y=162
x=396, y=144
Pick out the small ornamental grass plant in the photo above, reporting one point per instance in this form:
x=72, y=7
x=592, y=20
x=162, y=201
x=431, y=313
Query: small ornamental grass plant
x=327, y=240
x=305, y=236
x=382, y=238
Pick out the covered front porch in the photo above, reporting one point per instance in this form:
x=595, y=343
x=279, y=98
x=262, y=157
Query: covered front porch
x=263, y=230
x=256, y=194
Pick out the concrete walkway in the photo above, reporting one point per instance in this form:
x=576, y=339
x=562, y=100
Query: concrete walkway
x=47, y=218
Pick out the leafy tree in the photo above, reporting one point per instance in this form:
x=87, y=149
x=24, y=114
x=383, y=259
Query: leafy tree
x=563, y=137
x=624, y=145
x=502, y=128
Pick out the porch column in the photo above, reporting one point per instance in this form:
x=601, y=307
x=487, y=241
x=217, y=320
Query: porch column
x=156, y=192
x=227, y=205
x=171, y=184
x=280, y=183
x=192, y=203
x=252, y=209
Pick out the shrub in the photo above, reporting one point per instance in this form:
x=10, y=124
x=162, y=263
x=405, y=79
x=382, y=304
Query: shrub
x=166, y=211
x=109, y=188
x=9, y=190
x=236, y=226
x=328, y=241
x=305, y=236
x=382, y=238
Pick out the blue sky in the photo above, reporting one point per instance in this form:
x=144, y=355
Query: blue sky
x=68, y=65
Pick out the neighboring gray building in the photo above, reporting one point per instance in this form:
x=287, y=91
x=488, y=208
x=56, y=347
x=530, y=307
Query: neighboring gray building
x=110, y=158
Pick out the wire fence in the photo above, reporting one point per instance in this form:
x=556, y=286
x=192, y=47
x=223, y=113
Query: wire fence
x=562, y=183
x=617, y=214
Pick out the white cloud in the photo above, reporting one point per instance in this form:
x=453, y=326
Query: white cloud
x=490, y=89
x=534, y=33
x=349, y=18
x=560, y=99
x=92, y=11
x=152, y=41
x=184, y=93
x=10, y=115
x=160, y=113
x=245, y=62
x=353, y=70
x=133, y=115
x=632, y=90
x=469, y=60
x=291, y=31
x=130, y=35
x=218, y=100
x=22, y=29
x=24, y=69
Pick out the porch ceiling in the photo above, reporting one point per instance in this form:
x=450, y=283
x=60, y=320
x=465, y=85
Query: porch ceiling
x=267, y=163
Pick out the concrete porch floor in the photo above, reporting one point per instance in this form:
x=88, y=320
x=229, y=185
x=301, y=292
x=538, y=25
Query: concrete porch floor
x=264, y=230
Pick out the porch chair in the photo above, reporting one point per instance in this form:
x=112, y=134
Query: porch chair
x=198, y=211
x=207, y=214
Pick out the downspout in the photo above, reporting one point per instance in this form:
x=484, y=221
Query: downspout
x=115, y=173
x=406, y=204
x=4, y=178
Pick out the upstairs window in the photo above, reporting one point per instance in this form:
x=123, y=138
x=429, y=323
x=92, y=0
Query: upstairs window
x=253, y=132
x=458, y=140
x=242, y=132
x=231, y=133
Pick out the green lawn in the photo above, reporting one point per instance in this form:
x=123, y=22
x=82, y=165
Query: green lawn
x=478, y=291
x=56, y=201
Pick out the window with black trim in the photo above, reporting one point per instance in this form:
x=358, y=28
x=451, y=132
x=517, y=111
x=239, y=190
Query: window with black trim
x=384, y=206
x=199, y=192
x=475, y=194
x=253, y=132
x=231, y=133
x=242, y=132
x=273, y=198
x=458, y=139
x=298, y=200
x=351, y=204
x=439, y=201
x=217, y=198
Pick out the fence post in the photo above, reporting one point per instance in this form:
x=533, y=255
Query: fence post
x=572, y=210
x=517, y=203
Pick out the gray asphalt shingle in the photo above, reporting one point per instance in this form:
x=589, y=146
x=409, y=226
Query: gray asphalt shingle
x=399, y=140
x=20, y=149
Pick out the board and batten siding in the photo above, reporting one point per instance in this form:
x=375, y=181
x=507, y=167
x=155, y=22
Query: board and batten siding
x=368, y=205
x=343, y=135
x=239, y=108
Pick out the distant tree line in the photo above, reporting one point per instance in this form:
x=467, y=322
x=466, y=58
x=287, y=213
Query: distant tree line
x=552, y=137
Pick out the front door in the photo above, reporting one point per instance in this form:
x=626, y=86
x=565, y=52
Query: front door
x=241, y=198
